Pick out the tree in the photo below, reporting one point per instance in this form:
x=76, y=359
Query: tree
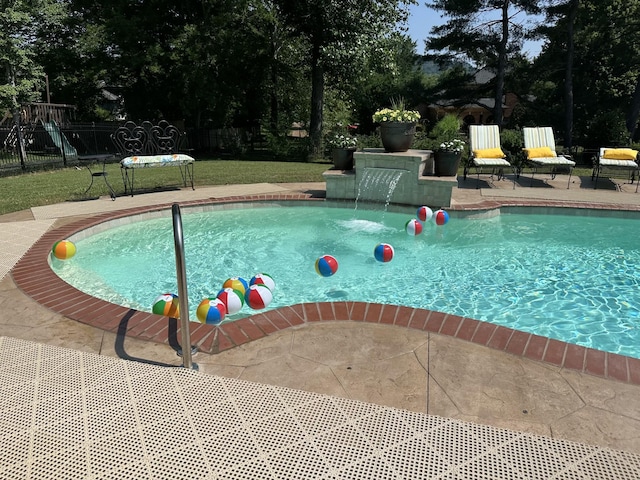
x=23, y=75
x=337, y=30
x=485, y=33
x=591, y=59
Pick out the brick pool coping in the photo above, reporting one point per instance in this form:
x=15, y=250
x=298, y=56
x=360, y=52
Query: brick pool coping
x=33, y=275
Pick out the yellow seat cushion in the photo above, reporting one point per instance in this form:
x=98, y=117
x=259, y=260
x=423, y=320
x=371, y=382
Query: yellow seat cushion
x=489, y=153
x=620, y=154
x=539, y=152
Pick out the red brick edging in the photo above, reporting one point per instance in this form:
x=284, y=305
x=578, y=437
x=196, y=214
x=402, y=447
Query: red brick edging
x=33, y=275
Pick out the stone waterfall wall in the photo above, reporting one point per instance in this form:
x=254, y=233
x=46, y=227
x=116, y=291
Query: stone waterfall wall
x=411, y=171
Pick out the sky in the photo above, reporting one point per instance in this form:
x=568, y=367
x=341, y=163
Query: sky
x=422, y=18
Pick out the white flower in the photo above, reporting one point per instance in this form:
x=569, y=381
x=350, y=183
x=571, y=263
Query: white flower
x=455, y=145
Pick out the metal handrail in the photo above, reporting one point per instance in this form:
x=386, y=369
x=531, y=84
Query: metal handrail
x=182, y=287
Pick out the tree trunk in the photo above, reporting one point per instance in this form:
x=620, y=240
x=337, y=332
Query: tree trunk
x=634, y=112
x=502, y=66
x=568, y=75
x=317, y=99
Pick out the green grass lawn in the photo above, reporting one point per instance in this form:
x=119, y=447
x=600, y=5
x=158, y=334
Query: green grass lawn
x=28, y=190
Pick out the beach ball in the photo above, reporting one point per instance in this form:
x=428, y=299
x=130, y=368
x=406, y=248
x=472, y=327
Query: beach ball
x=326, y=265
x=442, y=217
x=237, y=283
x=233, y=300
x=211, y=310
x=258, y=296
x=424, y=214
x=263, y=279
x=383, y=252
x=63, y=250
x=168, y=305
x=413, y=227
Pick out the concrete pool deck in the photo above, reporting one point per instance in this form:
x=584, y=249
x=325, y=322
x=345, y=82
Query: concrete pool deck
x=442, y=377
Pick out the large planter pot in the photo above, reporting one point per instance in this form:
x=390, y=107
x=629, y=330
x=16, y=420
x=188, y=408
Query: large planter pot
x=447, y=163
x=397, y=136
x=342, y=158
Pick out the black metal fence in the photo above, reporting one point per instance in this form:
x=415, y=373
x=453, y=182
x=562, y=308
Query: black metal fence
x=48, y=145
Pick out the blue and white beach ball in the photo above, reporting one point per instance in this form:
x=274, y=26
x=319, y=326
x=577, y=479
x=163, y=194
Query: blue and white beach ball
x=326, y=265
x=383, y=252
x=263, y=279
x=237, y=283
x=258, y=296
x=442, y=217
x=413, y=227
x=424, y=214
x=211, y=311
x=233, y=300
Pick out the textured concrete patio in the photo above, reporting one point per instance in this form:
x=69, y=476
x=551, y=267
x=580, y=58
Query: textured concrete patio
x=506, y=415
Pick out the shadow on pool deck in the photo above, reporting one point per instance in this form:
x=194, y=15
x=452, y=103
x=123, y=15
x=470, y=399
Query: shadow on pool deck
x=389, y=365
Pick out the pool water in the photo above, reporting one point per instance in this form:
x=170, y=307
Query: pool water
x=571, y=278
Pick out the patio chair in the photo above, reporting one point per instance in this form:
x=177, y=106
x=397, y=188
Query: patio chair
x=486, y=152
x=614, y=160
x=540, y=153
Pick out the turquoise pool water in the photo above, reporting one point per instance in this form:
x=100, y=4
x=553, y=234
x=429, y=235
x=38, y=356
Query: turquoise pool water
x=572, y=278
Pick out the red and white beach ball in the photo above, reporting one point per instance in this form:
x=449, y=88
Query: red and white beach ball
x=63, y=250
x=263, y=279
x=442, y=217
x=413, y=227
x=237, y=283
x=383, y=252
x=258, y=296
x=424, y=214
x=211, y=310
x=168, y=305
x=233, y=300
x=326, y=265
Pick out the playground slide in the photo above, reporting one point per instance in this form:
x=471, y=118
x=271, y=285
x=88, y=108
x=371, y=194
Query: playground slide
x=59, y=139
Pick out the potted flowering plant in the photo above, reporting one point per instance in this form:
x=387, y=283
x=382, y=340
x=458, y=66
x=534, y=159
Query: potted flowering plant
x=342, y=148
x=448, y=153
x=397, y=125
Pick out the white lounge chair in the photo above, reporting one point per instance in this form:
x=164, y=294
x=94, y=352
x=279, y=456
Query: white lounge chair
x=540, y=152
x=614, y=160
x=486, y=152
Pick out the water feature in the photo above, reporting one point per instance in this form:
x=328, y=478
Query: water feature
x=417, y=186
x=573, y=278
x=379, y=184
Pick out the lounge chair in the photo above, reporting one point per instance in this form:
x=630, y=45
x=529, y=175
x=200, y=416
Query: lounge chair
x=540, y=152
x=614, y=160
x=486, y=152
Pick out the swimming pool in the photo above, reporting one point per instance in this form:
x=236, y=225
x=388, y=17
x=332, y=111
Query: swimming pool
x=572, y=278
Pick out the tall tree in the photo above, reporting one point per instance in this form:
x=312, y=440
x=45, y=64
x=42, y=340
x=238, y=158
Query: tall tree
x=338, y=29
x=485, y=33
x=605, y=68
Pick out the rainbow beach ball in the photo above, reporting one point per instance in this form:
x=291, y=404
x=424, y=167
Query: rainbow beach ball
x=63, y=250
x=442, y=217
x=326, y=265
x=258, y=296
x=168, y=305
x=263, y=279
x=237, y=283
x=233, y=300
x=424, y=214
x=211, y=311
x=413, y=227
x=383, y=252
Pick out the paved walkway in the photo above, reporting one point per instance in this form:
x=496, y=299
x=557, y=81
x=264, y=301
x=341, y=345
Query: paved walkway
x=415, y=371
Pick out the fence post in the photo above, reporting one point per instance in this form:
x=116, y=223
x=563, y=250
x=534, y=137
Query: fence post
x=21, y=151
